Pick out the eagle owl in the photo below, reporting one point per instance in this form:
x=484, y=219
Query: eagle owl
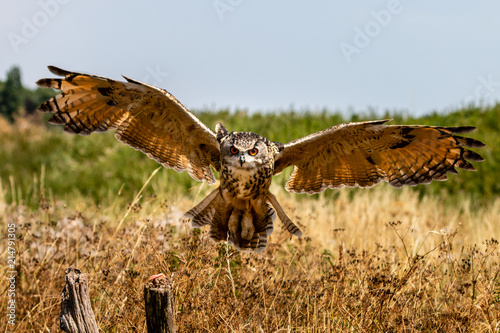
x=241, y=210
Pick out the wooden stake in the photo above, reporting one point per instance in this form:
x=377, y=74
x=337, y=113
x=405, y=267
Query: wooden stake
x=159, y=301
x=76, y=310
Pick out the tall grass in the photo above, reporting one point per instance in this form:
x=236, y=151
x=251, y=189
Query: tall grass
x=424, y=259
x=394, y=264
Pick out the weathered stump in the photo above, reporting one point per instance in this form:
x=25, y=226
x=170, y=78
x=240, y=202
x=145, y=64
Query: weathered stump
x=159, y=300
x=76, y=311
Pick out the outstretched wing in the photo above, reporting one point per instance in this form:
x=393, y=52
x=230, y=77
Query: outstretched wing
x=363, y=154
x=146, y=118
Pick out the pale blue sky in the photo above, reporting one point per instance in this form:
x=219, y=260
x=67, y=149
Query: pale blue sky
x=415, y=55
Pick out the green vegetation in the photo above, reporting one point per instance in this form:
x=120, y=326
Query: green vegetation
x=16, y=99
x=97, y=167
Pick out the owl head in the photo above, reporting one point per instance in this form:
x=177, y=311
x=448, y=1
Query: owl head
x=243, y=149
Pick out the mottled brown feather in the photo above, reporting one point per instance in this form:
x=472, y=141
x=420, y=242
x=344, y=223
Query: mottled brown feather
x=146, y=118
x=364, y=154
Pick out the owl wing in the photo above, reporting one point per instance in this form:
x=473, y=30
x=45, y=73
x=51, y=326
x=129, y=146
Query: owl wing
x=146, y=118
x=363, y=154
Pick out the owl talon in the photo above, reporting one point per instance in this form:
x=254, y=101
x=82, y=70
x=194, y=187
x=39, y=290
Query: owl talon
x=234, y=223
x=247, y=227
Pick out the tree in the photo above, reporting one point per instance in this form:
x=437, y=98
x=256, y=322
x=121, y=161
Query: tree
x=33, y=98
x=11, y=94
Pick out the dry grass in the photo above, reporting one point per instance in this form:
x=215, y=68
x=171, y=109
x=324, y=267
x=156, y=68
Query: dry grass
x=382, y=261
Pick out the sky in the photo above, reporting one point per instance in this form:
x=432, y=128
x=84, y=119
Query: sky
x=414, y=56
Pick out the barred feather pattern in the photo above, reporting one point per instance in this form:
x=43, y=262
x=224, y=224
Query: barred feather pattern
x=215, y=212
x=288, y=223
x=364, y=154
x=146, y=118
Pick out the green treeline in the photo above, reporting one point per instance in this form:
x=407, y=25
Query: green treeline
x=16, y=99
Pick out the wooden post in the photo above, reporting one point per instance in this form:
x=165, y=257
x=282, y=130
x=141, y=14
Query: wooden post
x=76, y=311
x=159, y=300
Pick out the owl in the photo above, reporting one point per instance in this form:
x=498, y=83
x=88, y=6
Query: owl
x=242, y=210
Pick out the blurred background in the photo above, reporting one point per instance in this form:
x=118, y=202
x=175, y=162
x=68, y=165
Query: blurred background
x=411, y=56
x=283, y=69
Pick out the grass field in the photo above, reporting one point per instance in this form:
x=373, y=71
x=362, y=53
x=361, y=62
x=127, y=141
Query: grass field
x=376, y=260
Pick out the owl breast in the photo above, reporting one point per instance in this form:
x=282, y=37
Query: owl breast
x=245, y=183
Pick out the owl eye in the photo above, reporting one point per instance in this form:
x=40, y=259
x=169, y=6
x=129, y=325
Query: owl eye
x=234, y=150
x=253, y=151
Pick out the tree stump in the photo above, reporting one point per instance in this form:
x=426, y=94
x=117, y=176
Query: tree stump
x=159, y=300
x=76, y=310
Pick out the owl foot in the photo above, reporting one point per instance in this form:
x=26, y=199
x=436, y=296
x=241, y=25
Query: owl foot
x=234, y=222
x=247, y=227
x=246, y=221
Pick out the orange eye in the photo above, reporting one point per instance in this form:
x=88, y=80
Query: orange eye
x=234, y=150
x=253, y=151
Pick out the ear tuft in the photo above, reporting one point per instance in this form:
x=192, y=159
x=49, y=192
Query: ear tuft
x=279, y=145
x=220, y=131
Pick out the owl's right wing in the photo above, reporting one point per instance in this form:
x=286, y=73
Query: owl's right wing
x=146, y=118
x=366, y=153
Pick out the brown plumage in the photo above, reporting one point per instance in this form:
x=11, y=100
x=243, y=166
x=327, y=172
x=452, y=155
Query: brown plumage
x=146, y=118
x=242, y=209
x=363, y=154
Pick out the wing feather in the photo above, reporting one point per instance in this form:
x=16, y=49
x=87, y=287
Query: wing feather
x=146, y=118
x=366, y=153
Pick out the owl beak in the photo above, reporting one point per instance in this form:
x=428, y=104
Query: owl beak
x=242, y=160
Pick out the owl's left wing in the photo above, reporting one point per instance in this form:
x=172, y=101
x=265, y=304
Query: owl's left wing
x=146, y=118
x=363, y=154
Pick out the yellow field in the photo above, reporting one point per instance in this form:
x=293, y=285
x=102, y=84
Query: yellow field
x=356, y=269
